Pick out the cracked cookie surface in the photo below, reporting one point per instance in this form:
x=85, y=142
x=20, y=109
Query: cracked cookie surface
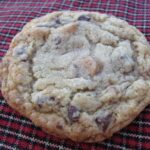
x=78, y=72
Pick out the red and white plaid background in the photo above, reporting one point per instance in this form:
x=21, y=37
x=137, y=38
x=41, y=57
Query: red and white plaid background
x=17, y=132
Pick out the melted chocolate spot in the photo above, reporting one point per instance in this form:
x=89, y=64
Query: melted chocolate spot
x=124, y=57
x=73, y=113
x=84, y=18
x=104, y=121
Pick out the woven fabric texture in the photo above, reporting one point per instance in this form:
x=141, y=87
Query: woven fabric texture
x=17, y=132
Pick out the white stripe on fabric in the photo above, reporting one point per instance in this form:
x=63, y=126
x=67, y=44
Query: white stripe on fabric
x=134, y=135
x=115, y=146
x=34, y=139
x=6, y=146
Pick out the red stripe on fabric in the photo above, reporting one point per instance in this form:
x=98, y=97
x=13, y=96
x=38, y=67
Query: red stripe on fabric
x=23, y=144
x=10, y=140
x=41, y=134
x=132, y=143
x=147, y=116
x=146, y=145
x=2, y=54
x=15, y=125
x=26, y=129
x=37, y=147
x=4, y=122
x=146, y=130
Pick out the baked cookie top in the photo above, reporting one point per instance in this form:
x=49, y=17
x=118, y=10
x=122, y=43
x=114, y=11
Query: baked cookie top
x=78, y=75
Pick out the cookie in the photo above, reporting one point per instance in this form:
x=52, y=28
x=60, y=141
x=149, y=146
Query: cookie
x=78, y=75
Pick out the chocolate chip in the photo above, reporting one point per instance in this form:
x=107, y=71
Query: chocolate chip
x=20, y=51
x=57, y=40
x=52, y=98
x=75, y=66
x=54, y=24
x=124, y=57
x=84, y=18
x=57, y=21
x=59, y=126
x=104, y=121
x=42, y=100
x=73, y=113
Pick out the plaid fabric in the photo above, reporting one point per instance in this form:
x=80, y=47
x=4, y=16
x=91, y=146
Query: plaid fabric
x=17, y=132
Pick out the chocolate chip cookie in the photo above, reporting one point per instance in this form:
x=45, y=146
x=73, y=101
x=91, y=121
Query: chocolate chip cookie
x=78, y=75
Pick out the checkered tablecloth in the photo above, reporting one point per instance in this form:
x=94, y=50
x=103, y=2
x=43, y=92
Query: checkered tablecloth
x=17, y=132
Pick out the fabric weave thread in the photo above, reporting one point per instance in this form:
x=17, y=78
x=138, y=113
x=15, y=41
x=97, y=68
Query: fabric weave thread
x=17, y=132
